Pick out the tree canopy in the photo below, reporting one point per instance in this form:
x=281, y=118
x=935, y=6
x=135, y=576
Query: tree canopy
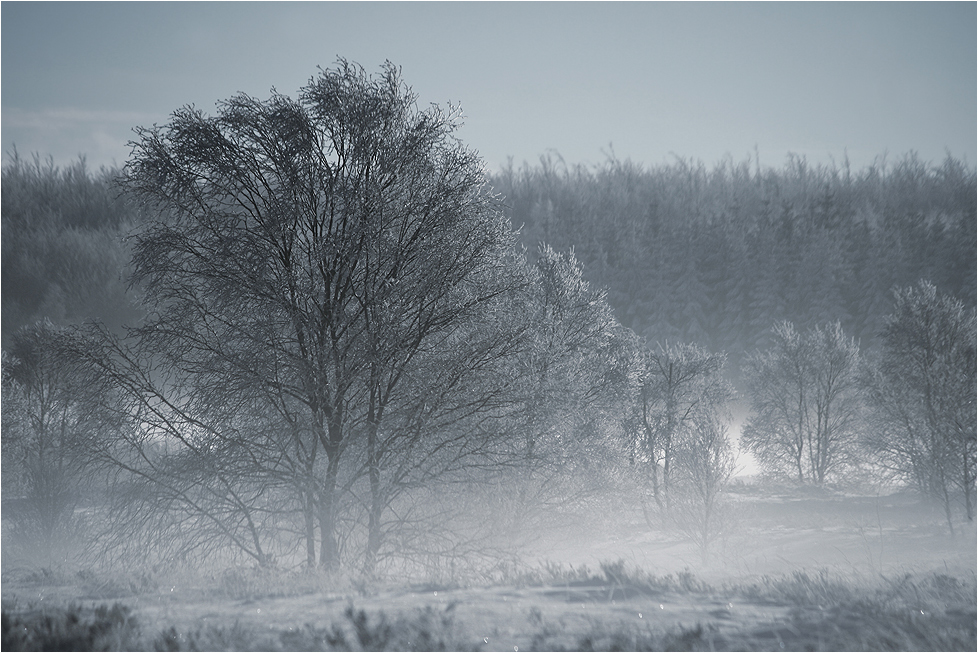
x=331, y=266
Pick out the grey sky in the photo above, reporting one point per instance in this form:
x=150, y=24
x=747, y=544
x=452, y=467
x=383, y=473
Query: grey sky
x=698, y=80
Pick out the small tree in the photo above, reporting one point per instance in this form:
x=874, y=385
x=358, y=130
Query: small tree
x=572, y=379
x=52, y=421
x=806, y=403
x=704, y=465
x=572, y=364
x=678, y=386
x=923, y=396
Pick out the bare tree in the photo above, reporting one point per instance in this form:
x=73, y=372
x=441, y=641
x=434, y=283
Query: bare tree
x=806, y=402
x=52, y=420
x=704, y=465
x=311, y=257
x=573, y=363
x=573, y=381
x=197, y=468
x=923, y=395
x=443, y=422
x=678, y=386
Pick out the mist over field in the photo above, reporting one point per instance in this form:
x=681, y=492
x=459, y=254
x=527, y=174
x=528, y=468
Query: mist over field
x=308, y=372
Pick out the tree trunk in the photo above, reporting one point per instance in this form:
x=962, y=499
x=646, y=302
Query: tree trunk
x=310, y=519
x=968, y=485
x=329, y=558
x=330, y=437
x=656, y=491
x=374, y=536
x=947, y=511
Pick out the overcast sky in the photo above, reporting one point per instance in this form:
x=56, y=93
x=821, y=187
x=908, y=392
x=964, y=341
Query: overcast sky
x=698, y=80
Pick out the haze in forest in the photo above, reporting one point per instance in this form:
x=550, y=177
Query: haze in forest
x=317, y=357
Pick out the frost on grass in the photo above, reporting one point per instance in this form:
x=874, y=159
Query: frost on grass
x=621, y=608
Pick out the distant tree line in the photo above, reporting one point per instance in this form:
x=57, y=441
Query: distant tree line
x=340, y=355
x=63, y=255
x=716, y=256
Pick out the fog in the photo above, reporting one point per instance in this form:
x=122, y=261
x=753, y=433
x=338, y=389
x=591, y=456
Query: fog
x=312, y=371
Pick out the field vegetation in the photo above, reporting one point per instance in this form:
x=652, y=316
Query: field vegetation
x=811, y=570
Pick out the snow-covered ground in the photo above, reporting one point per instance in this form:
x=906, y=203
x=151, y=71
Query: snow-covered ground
x=616, y=575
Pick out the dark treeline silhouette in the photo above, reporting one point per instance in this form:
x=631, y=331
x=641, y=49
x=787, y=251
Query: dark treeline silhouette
x=687, y=254
x=716, y=256
x=63, y=254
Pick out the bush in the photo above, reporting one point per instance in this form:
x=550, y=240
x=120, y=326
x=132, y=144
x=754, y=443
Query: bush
x=71, y=629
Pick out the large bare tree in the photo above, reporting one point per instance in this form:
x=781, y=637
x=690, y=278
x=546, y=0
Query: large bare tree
x=314, y=279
